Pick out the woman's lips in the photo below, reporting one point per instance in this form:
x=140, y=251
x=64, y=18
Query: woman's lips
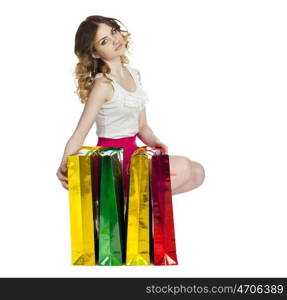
x=119, y=46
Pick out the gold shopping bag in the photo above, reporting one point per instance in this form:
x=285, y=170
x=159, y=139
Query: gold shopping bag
x=138, y=220
x=81, y=208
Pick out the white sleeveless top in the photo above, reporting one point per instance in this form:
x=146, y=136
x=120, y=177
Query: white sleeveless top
x=119, y=116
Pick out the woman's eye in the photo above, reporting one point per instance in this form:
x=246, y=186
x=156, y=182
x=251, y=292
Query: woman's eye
x=103, y=42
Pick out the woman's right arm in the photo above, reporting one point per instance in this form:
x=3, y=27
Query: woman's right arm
x=96, y=99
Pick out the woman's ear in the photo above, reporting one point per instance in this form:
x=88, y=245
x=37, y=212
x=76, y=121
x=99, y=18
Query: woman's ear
x=95, y=56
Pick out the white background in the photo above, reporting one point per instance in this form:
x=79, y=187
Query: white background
x=215, y=73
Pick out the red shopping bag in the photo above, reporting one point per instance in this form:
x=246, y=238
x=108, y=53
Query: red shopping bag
x=164, y=244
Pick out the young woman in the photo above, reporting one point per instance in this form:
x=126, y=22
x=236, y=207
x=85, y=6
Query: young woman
x=113, y=96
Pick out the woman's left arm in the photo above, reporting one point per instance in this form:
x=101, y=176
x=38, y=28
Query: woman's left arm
x=146, y=134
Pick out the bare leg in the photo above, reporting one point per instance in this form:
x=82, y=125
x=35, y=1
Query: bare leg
x=185, y=174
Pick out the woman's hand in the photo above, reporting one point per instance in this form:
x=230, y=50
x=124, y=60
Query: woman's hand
x=62, y=175
x=163, y=147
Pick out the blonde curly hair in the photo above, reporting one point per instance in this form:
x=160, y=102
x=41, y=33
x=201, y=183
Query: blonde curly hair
x=87, y=66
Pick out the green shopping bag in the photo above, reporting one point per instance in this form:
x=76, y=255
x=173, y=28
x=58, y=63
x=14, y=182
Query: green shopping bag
x=111, y=197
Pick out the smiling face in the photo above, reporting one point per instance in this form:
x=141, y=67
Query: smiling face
x=107, y=40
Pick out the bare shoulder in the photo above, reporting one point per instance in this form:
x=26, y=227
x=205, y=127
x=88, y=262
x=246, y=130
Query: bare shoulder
x=103, y=88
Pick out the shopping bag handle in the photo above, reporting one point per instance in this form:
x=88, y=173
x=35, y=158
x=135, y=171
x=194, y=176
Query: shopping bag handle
x=145, y=150
x=115, y=150
x=100, y=149
x=92, y=149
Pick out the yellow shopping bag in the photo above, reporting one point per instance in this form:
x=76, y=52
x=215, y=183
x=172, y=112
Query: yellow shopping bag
x=81, y=207
x=138, y=222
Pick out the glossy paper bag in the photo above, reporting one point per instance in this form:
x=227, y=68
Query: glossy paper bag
x=163, y=223
x=81, y=208
x=111, y=248
x=138, y=216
